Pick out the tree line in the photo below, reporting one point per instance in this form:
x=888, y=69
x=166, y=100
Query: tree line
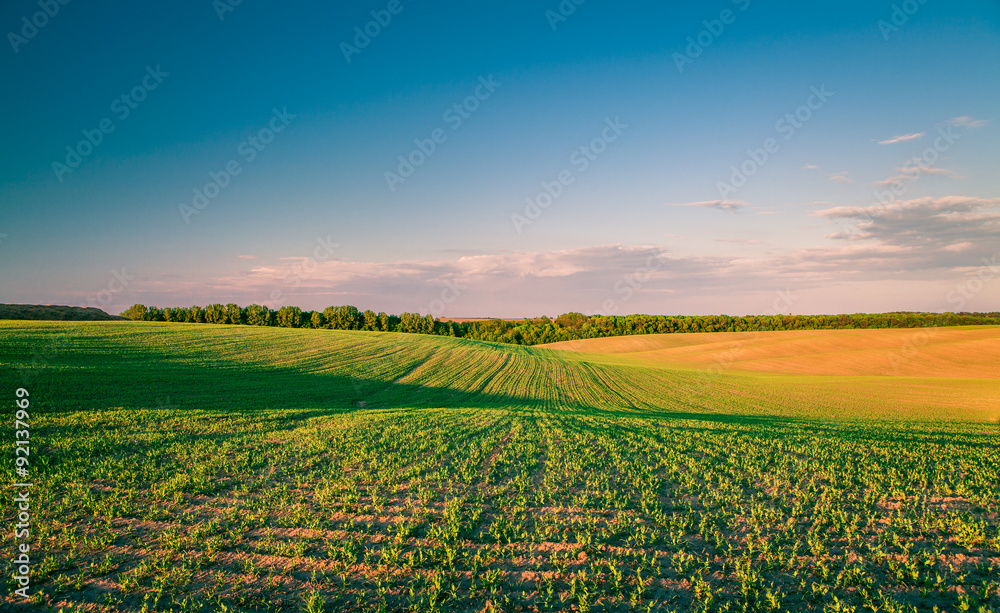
x=333, y=318
x=536, y=331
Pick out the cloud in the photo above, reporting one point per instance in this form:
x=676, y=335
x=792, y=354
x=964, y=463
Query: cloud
x=246, y=257
x=928, y=170
x=967, y=122
x=919, y=206
x=959, y=246
x=810, y=167
x=301, y=275
x=841, y=177
x=914, y=172
x=927, y=240
x=930, y=231
x=508, y=284
x=723, y=205
x=739, y=241
x=902, y=139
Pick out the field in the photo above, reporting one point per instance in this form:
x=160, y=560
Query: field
x=970, y=352
x=231, y=468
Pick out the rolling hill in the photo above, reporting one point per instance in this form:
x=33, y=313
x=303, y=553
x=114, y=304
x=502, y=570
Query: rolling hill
x=971, y=352
x=951, y=376
x=200, y=468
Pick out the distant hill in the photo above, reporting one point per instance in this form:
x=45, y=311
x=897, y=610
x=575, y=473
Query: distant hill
x=967, y=352
x=55, y=313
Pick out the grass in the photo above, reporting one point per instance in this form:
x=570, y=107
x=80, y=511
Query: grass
x=208, y=468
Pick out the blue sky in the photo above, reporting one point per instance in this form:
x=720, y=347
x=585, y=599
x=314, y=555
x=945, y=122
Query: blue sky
x=635, y=116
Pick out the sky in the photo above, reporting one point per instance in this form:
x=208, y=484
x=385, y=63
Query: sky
x=503, y=159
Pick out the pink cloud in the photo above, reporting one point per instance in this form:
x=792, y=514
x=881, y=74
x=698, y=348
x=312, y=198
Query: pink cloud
x=902, y=139
x=723, y=205
x=967, y=122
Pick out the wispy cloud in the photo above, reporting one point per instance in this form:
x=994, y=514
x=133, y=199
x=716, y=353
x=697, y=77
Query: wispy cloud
x=723, y=205
x=929, y=231
x=901, y=139
x=841, y=177
x=927, y=239
x=500, y=283
x=810, y=167
x=914, y=172
x=739, y=241
x=967, y=122
x=963, y=246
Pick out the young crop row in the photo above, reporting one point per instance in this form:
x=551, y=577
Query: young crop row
x=451, y=509
x=245, y=469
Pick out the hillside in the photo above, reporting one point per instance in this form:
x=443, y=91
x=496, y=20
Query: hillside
x=249, y=468
x=50, y=312
x=210, y=366
x=971, y=352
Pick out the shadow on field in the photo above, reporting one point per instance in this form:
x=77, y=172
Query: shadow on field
x=100, y=371
x=98, y=378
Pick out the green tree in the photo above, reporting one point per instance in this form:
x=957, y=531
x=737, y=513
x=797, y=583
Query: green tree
x=195, y=314
x=317, y=320
x=136, y=312
x=258, y=315
x=571, y=320
x=215, y=314
x=289, y=317
x=234, y=314
x=343, y=317
x=370, y=321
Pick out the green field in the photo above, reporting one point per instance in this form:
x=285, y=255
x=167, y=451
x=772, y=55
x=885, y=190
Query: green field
x=207, y=468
